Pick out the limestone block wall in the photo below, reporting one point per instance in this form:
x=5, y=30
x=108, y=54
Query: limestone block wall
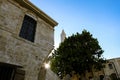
x=18, y=51
x=115, y=69
x=109, y=71
x=50, y=75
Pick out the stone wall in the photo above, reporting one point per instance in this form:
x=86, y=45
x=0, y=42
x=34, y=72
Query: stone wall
x=50, y=75
x=115, y=67
x=18, y=51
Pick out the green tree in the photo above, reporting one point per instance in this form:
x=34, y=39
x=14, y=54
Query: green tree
x=79, y=53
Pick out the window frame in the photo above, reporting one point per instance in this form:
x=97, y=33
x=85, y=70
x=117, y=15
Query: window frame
x=11, y=72
x=28, y=28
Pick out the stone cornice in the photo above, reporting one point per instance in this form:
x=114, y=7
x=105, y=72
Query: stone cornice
x=27, y=4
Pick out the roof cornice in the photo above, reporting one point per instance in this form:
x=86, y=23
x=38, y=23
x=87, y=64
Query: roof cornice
x=27, y=4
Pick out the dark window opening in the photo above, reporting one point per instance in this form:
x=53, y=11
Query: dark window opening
x=110, y=66
x=11, y=72
x=6, y=73
x=90, y=78
x=28, y=28
x=113, y=76
x=101, y=77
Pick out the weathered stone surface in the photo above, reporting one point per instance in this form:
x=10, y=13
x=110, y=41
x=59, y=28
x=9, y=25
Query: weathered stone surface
x=51, y=76
x=18, y=51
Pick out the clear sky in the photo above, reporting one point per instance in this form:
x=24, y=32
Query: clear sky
x=100, y=17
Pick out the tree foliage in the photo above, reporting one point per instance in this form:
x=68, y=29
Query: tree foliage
x=79, y=53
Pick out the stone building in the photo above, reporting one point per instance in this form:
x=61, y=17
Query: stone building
x=26, y=38
x=111, y=71
x=112, y=68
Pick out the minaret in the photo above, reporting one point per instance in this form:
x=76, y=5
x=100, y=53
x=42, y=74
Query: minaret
x=63, y=36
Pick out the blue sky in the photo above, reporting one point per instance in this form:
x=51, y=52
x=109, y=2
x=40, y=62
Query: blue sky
x=100, y=17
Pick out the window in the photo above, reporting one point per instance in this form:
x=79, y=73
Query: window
x=90, y=78
x=110, y=66
x=101, y=77
x=28, y=28
x=6, y=73
x=113, y=76
x=11, y=72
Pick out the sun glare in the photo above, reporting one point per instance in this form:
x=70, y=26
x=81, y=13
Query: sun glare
x=47, y=65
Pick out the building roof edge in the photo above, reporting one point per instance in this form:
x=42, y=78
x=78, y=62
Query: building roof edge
x=27, y=4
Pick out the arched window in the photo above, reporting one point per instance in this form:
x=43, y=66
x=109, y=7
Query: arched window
x=113, y=76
